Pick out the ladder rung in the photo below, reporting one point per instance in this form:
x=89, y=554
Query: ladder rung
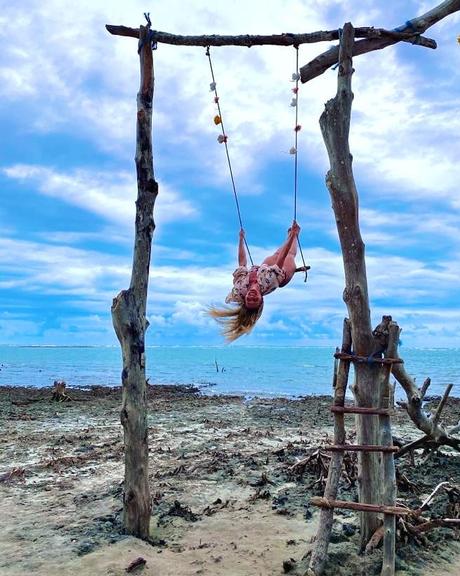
x=360, y=448
x=326, y=503
x=360, y=410
x=367, y=359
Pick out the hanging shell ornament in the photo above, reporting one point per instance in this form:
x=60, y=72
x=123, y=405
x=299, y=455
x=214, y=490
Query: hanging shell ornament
x=295, y=76
x=217, y=120
x=216, y=99
x=221, y=138
x=298, y=128
x=293, y=150
x=294, y=102
x=212, y=86
x=295, y=90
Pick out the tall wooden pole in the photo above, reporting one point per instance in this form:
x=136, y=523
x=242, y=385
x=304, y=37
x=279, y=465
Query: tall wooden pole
x=129, y=314
x=335, y=127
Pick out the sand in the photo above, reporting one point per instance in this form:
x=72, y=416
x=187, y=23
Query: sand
x=227, y=496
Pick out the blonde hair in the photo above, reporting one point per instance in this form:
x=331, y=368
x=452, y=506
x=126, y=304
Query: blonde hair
x=236, y=321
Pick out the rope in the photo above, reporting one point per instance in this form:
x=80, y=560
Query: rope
x=297, y=127
x=150, y=37
x=223, y=139
x=296, y=131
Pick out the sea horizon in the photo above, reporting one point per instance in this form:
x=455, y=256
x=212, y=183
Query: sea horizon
x=148, y=346
x=257, y=370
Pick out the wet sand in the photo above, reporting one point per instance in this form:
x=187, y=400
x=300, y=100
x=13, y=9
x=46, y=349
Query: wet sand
x=229, y=495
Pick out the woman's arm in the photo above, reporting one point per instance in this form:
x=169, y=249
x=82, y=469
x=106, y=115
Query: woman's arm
x=242, y=259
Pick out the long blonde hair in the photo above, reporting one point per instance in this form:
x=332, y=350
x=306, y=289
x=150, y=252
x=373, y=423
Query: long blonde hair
x=236, y=321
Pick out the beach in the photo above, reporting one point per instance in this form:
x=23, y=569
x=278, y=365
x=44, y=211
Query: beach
x=230, y=480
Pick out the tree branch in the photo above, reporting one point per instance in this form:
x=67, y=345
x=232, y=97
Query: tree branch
x=416, y=26
x=427, y=500
x=441, y=405
x=435, y=433
x=285, y=39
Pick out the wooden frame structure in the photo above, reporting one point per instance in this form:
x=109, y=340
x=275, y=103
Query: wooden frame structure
x=129, y=307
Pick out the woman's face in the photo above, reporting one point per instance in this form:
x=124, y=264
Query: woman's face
x=253, y=298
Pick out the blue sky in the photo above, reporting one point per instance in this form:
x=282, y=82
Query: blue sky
x=68, y=185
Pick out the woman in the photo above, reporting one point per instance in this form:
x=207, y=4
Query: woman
x=250, y=285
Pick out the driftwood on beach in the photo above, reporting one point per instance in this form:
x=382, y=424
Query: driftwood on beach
x=253, y=467
x=129, y=314
x=59, y=393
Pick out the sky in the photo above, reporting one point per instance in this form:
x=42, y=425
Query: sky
x=68, y=182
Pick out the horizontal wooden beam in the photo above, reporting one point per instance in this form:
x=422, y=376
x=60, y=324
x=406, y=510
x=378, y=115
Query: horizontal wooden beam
x=360, y=448
x=248, y=40
x=366, y=359
x=326, y=503
x=360, y=410
x=416, y=26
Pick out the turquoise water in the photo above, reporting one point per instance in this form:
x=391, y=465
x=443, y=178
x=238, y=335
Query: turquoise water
x=272, y=371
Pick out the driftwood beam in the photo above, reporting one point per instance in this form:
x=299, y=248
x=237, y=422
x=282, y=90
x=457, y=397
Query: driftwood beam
x=326, y=60
x=360, y=410
x=416, y=27
x=326, y=503
x=438, y=523
x=360, y=448
x=129, y=315
x=366, y=359
x=285, y=39
x=335, y=126
x=389, y=487
x=412, y=445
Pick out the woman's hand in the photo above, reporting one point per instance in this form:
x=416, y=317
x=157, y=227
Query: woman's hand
x=295, y=228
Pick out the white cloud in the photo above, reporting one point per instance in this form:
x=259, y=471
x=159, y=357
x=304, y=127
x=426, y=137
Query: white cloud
x=77, y=81
x=13, y=325
x=49, y=269
x=110, y=195
x=391, y=101
x=190, y=313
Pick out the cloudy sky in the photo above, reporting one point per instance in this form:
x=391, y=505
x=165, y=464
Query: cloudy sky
x=68, y=185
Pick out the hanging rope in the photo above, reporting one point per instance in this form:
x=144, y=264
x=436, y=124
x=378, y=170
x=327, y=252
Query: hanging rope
x=294, y=149
x=297, y=127
x=222, y=139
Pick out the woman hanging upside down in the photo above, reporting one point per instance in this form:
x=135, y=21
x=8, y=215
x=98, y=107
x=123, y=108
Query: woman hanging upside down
x=250, y=285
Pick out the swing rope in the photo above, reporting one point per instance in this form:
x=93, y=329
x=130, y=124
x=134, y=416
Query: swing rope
x=223, y=140
x=297, y=127
x=294, y=150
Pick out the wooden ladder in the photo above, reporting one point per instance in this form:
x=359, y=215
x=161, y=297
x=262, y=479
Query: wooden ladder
x=329, y=501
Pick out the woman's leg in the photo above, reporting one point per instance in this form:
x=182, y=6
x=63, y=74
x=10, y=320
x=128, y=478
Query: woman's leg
x=289, y=266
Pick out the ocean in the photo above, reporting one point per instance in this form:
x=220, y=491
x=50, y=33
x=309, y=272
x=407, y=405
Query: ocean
x=248, y=370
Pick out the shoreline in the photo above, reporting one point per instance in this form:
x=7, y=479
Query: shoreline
x=237, y=370
x=229, y=497
x=205, y=390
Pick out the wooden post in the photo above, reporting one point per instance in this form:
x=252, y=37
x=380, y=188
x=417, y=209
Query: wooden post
x=389, y=470
x=129, y=314
x=326, y=515
x=335, y=126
